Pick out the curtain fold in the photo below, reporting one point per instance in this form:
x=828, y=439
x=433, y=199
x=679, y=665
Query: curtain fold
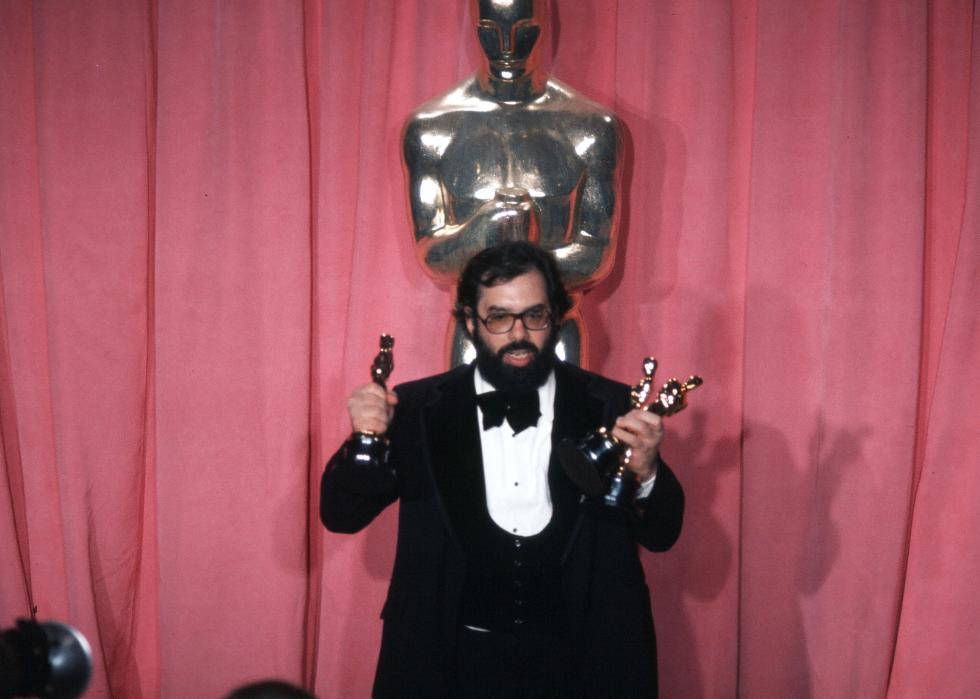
x=312, y=20
x=937, y=640
x=204, y=230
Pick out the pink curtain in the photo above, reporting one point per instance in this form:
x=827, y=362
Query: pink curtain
x=203, y=230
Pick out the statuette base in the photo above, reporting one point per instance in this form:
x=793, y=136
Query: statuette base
x=370, y=451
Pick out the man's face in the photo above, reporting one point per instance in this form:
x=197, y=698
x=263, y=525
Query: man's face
x=508, y=31
x=519, y=358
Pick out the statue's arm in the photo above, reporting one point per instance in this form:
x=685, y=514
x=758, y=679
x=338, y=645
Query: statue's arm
x=444, y=242
x=589, y=252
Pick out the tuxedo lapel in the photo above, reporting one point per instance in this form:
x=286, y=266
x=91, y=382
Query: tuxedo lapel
x=577, y=411
x=453, y=436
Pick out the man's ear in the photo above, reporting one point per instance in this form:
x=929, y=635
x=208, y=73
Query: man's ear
x=469, y=323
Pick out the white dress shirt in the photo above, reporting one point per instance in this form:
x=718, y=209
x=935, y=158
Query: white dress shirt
x=515, y=467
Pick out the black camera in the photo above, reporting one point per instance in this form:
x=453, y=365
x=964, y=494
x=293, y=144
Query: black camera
x=47, y=659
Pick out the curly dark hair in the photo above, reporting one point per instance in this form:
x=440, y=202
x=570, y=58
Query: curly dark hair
x=502, y=263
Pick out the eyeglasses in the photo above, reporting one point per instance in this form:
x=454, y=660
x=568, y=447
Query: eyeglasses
x=500, y=322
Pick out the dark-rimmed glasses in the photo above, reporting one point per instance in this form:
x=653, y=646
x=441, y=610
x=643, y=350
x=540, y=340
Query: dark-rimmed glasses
x=500, y=322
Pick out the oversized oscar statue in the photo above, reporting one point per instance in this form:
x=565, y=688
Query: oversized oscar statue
x=511, y=153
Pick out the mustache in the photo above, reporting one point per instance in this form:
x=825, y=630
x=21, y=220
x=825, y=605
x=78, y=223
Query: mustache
x=518, y=345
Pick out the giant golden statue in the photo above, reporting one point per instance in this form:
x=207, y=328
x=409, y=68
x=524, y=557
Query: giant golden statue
x=511, y=153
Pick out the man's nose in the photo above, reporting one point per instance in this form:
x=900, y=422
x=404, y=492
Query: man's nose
x=519, y=331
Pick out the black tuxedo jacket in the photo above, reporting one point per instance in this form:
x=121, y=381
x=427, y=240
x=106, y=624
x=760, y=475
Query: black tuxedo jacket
x=608, y=604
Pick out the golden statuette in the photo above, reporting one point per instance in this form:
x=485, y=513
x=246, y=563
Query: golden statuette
x=598, y=463
x=384, y=362
x=369, y=449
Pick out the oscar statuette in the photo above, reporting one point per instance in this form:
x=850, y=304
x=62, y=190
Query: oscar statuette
x=369, y=449
x=599, y=463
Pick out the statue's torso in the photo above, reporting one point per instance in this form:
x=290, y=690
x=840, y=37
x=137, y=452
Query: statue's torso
x=546, y=148
x=562, y=149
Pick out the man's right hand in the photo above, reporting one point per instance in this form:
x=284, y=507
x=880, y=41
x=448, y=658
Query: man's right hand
x=371, y=408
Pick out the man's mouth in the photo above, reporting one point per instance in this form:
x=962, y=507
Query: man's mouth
x=518, y=357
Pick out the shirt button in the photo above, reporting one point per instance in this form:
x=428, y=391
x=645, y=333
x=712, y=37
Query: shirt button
x=517, y=543
x=518, y=602
x=516, y=483
x=518, y=564
x=518, y=621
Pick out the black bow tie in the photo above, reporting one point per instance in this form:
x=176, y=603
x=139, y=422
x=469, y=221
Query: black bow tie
x=520, y=408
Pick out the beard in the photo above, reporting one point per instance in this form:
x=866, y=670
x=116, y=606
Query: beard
x=505, y=377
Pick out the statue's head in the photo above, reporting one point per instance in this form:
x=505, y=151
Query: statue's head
x=509, y=32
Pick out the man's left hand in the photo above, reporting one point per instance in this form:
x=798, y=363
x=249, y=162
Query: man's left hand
x=641, y=431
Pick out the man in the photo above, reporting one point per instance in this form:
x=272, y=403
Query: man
x=512, y=154
x=507, y=581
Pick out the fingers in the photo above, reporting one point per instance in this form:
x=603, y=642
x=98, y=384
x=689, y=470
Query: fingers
x=642, y=432
x=371, y=408
x=639, y=429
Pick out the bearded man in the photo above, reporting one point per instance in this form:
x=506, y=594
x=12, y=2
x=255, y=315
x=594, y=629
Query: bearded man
x=507, y=581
